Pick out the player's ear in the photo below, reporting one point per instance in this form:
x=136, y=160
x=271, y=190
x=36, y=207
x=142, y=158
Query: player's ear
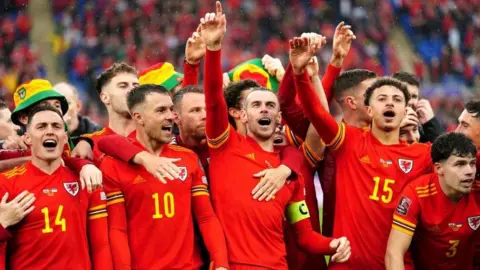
x=176, y=118
x=243, y=116
x=138, y=118
x=369, y=111
x=351, y=102
x=28, y=139
x=438, y=168
x=279, y=119
x=235, y=113
x=104, y=97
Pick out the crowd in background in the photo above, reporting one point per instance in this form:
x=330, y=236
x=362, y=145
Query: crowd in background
x=91, y=35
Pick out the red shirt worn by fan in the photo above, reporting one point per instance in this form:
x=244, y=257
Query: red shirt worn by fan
x=68, y=228
x=443, y=231
x=369, y=179
x=151, y=223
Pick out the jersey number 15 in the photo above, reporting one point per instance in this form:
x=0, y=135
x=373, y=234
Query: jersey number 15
x=387, y=190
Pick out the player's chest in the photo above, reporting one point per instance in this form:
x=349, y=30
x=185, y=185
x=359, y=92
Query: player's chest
x=459, y=221
x=57, y=204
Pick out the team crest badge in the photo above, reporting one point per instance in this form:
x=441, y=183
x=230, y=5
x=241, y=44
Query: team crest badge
x=183, y=173
x=72, y=188
x=406, y=165
x=474, y=222
x=22, y=93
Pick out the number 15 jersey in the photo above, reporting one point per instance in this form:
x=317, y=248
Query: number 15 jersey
x=369, y=178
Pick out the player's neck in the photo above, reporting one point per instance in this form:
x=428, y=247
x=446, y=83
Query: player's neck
x=386, y=137
x=190, y=141
x=45, y=166
x=153, y=146
x=352, y=119
x=266, y=145
x=121, y=125
x=241, y=128
x=453, y=195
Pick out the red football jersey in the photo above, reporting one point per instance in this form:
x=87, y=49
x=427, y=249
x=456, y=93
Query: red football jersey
x=443, y=231
x=156, y=218
x=96, y=136
x=254, y=230
x=369, y=178
x=202, y=152
x=57, y=233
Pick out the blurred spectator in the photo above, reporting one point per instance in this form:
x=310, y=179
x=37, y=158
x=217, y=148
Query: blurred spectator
x=77, y=124
x=7, y=128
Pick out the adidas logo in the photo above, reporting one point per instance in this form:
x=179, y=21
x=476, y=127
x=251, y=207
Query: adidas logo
x=250, y=156
x=138, y=180
x=365, y=159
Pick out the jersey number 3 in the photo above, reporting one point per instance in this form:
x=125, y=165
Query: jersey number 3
x=387, y=190
x=59, y=220
x=168, y=205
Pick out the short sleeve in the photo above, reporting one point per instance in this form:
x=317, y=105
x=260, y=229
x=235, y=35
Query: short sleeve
x=405, y=216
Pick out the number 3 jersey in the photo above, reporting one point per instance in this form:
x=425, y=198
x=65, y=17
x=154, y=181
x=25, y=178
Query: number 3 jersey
x=443, y=231
x=370, y=176
x=65, y=222
x=155, y=218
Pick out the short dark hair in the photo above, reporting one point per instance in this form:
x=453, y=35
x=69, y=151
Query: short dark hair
x=407, y=78
x=106, y=76
x=233, y=93
x=3, y=104
x=383, y=82
x=178, y=97
x=42, y=108
x=473, y=107
x=138, y=94
x=349, y=79
x=452, y=143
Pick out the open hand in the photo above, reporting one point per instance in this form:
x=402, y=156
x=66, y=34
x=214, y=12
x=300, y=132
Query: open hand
x=342, y=41
x=195, y=49
x=302, y=49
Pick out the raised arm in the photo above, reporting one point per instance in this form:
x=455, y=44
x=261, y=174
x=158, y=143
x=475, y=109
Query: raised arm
x=98, y=232
x=213, y=28
x=194, y=52
x=212, y=232
x=301, y=51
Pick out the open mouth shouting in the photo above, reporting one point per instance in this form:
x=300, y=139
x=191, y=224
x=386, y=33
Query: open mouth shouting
x=50, y=144
x=167, y=128
x=264, y=121
x=389, y=115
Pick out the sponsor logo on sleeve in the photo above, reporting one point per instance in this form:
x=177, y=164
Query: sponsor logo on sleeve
x=403, y=205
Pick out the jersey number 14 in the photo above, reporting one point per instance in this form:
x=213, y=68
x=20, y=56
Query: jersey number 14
x=59, y=220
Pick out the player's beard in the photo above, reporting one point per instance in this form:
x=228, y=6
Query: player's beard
x=158, y=135
x=121, y=109
x=195, y=132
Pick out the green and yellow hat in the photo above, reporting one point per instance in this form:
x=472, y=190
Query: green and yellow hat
x=254, y=70
x=161, y=74
x=32, y=92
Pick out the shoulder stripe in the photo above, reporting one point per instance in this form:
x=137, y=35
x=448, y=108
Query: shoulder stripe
x=15, y=171
x=425, y=187
x=113, y=193
x=199, y=186
x=96, y=133
x=220, y=140
x=200, y=193
x=401, y=229
x=179, y=148
x=102, y=206
x=292, y=138
x=312, y=158
x=427, y=194
x=115, y=201
x=339, y=138
x=92, y=213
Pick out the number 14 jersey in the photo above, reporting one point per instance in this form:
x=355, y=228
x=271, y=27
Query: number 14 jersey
x=370, y=176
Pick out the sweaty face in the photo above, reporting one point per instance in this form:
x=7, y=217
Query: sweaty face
x=157, y=116
x=116, y=92
x=262, y=114
x=458, y=173
x=414, y=95
x=469, y=125
x=410, y=134
x=73, y=103
x=192, y=115
x=387, y=107
x=47, y=135
x=7, y=128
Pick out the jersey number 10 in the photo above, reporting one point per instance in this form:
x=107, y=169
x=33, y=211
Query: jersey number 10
x=59, y=220
x=168, y=205
x=387, y=190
